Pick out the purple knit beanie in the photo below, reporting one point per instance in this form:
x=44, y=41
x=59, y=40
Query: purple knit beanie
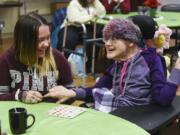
x=122, y=29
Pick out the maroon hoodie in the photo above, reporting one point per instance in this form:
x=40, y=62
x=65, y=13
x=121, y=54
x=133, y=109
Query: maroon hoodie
x=124, y=7
x=15, y=75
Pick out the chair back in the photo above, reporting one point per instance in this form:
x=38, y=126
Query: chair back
x=171, y=7
x=151, y=118
x=57, y=19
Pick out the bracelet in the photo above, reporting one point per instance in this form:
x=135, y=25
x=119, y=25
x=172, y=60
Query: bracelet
x=17, y=95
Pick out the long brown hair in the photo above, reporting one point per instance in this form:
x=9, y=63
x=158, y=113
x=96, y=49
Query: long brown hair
x=84, y=3
x=26, y=42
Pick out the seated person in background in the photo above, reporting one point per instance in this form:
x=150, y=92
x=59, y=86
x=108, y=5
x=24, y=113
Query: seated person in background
x=81, y=11
x=135, y=78
x=113, y=6
x=154, y=37
x=30, y=67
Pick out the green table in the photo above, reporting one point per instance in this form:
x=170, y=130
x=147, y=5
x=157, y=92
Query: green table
x=171, y=19
x=90, y=122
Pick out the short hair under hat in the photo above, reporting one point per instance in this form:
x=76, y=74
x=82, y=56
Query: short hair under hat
x=146, y=24
x=122, y=29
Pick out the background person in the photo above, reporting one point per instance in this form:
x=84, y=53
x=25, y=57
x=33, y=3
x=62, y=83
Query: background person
x=81, y=11
x=30, y=67
x=154, y=36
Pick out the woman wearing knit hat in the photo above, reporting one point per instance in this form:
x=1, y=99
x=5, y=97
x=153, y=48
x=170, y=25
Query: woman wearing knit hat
x=135, y=78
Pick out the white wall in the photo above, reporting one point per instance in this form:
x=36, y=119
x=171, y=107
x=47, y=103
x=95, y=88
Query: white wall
x=10, y=15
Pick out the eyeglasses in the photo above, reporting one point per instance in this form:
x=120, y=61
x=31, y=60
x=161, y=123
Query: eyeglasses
x=110, y=41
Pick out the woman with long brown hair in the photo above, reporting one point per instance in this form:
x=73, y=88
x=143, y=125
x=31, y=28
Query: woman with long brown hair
x=30, y=67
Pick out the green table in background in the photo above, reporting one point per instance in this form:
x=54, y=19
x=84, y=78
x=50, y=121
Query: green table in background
x=171, y=19
x=90, y=122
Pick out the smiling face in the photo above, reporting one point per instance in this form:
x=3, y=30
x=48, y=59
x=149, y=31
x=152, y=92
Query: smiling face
x=43, y=40
x=118, y=49
x=121, y=39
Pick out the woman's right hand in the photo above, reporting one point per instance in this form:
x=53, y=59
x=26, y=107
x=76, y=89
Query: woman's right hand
x=31, y=97
x=61, y=93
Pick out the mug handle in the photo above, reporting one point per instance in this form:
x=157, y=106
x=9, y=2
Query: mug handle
x=30, y=115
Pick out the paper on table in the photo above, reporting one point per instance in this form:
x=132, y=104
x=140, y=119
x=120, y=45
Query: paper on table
x=66, y=111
